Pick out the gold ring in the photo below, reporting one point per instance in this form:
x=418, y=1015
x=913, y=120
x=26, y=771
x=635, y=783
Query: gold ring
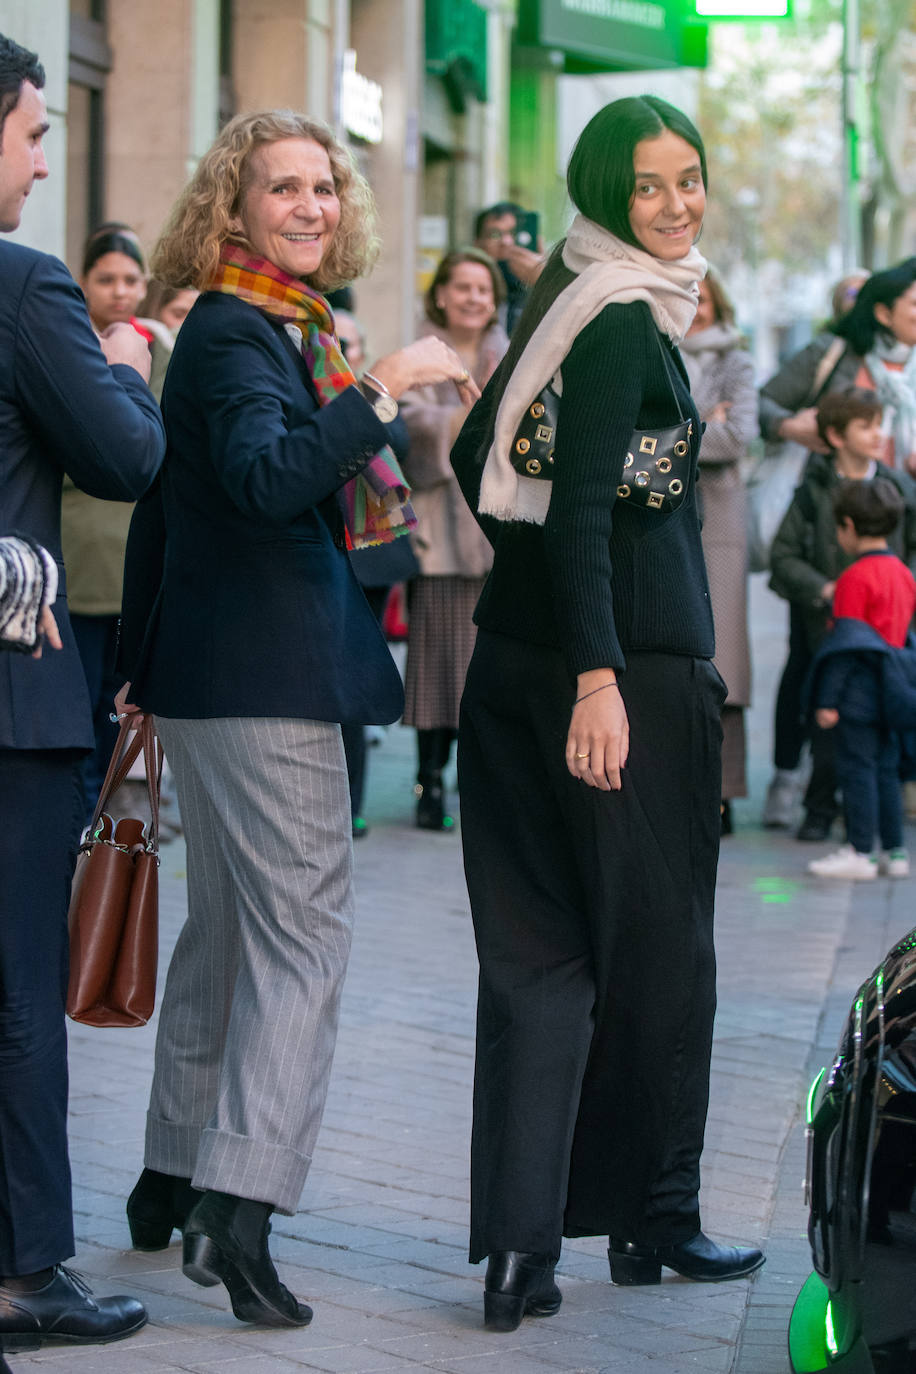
x=583, y=756
x=463, y=377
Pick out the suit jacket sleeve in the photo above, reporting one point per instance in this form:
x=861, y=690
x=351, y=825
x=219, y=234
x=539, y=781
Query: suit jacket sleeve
x=268, y=468
x=100, y=424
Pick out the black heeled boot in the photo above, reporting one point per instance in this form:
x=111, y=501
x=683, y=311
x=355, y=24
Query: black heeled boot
x=699, y=1258
x=430, y=801
x=433, y=749
x=518, y=1284
x=727, y=825
x=158, y=1205
x=225, y=1241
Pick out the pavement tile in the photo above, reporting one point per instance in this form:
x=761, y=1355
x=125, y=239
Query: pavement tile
x=381, y=1245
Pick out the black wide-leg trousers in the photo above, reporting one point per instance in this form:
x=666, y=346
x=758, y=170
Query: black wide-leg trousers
x=593, y=915
x=41, y=806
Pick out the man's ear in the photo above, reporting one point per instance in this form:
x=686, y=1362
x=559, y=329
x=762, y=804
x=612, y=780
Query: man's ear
x=834, y=437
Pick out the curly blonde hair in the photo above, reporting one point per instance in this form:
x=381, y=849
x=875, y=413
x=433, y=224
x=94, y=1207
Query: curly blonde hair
x=187, y=253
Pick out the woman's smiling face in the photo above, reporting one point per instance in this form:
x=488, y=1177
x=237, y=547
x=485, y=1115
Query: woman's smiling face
x=669, y=198
x=290, y=211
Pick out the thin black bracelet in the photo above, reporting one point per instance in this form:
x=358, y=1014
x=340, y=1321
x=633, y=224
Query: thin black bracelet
x=594, y=690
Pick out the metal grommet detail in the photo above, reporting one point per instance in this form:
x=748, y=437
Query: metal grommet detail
x=642, y=479
x=543, y=434
x=656, y=500
x=537, y=410
x=680, y=448
x=663, y=464
x=623, y=491
x=628, y=461
x=522, y=445
x=648, y=444
x=676, y=487
x=532, y=467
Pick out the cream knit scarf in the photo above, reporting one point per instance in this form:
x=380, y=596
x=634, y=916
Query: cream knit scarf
x=607, y=270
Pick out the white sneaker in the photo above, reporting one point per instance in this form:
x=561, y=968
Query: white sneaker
x=845, y=862
x=782, y=799
x=894, y=863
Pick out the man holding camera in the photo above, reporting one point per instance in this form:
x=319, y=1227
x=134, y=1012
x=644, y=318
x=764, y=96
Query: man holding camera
x=509, y=234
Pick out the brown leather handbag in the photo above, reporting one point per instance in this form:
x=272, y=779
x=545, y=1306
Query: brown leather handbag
x=114, y=903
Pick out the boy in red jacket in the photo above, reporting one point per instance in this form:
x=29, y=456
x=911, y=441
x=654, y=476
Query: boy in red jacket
x=873, y=605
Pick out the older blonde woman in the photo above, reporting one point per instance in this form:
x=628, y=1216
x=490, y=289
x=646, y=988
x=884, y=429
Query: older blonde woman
x=248, y=637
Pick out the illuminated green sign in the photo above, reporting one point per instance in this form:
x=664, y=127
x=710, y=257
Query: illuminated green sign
x=744, y=9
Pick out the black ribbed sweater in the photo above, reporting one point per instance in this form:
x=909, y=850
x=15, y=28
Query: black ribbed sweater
x=600, y=577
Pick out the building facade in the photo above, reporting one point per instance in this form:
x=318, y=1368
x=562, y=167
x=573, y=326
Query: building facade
x=448, y=105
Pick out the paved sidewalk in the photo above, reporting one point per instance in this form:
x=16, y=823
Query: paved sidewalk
x=379, y=1248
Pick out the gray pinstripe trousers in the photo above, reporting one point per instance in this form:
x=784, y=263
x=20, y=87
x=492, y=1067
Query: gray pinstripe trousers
x=249, y=1015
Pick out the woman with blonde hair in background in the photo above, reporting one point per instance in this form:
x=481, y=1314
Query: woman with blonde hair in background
x=247, y=635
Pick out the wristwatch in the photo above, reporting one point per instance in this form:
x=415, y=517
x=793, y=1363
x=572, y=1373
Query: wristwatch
x=380, y=398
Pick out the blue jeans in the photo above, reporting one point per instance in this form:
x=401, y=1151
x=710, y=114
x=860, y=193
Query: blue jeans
x=867, y=765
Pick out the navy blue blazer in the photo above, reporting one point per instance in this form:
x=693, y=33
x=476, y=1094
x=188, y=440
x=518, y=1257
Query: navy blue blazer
x=239, y=598
x=62, y=409
x=869, y=680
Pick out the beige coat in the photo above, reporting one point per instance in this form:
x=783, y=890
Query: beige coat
x=721, y=370
x=448, y=539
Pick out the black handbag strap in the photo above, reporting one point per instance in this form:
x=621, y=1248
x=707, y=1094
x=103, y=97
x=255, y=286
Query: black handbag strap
x=666, y=359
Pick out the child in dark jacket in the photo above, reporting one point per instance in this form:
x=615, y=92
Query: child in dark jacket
x=807, y=558
x=855, y=679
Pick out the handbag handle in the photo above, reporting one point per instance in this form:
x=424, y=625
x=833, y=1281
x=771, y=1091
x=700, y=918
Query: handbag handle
x=123, y=756
x=667, y=363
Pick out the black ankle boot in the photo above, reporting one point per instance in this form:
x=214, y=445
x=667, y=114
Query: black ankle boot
x=699, y=1258
x=518, y=1284
x=158, y=1205
x=431, y=802
x=225, y=1240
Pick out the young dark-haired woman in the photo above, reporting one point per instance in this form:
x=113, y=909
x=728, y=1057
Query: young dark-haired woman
x=589, y=750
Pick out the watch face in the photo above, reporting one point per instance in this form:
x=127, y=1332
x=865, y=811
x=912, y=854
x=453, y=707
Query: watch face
x=386, y=408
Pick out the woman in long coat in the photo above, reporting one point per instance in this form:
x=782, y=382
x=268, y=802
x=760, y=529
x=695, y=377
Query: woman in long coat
x=453, y=554
x=722, y=385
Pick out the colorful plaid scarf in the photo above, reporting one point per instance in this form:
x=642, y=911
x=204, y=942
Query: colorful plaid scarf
x=376, y=503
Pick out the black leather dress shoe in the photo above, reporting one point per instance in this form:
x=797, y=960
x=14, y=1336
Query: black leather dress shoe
x=225, y=1241
x=699, y=1258
x=65, y=1310
x=159, y=1205
x=518, y=1284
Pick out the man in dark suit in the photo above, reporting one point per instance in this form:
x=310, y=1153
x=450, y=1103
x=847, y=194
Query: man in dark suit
x=66, y=405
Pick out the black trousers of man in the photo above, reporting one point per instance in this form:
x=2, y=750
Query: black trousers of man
x=41, y=815
x=593, y=914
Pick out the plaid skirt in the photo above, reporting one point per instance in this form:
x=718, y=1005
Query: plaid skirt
x=439, y=647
